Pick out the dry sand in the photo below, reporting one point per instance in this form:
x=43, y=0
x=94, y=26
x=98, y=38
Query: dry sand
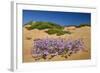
x=30, y=35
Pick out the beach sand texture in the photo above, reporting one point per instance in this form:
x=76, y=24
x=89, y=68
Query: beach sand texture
x=76, y=33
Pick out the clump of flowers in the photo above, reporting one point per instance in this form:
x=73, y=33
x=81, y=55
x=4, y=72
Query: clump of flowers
x=44, y=47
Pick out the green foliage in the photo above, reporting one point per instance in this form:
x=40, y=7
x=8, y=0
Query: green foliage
x=43, y=25
x=82, y=25
x=53, y=28
x=58, y=32
x=63, y=32
x=52, y=31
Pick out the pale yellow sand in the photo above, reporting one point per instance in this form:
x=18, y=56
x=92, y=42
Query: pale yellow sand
x=30, y=35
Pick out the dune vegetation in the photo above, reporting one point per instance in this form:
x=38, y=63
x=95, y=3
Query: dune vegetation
x=53, y=28
x=82, y=25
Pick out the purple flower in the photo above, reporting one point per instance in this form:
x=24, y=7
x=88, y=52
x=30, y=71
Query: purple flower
x=56, y=46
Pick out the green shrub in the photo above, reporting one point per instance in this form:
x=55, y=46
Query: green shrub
x=63, y=32
x=58, y=32
x=43, y=25
x=53, y=28
x=82, y=25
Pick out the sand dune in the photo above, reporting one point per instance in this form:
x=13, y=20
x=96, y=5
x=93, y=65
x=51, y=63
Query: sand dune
x=76, y=33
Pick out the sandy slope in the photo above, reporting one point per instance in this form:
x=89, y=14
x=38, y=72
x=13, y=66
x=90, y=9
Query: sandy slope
x=30, y=35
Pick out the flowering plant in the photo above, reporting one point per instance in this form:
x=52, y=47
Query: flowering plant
x=44, y=47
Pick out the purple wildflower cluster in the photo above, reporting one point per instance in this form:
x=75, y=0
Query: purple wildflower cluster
x=53, y=47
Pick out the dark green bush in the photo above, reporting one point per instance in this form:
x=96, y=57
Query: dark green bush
x=82, y=25
x=58, y=32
